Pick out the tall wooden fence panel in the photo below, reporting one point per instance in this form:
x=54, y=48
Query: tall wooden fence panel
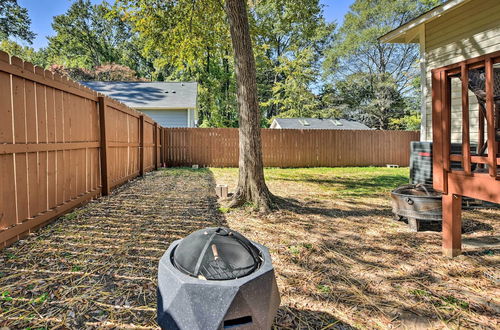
x=218, y=147
x=61, y=144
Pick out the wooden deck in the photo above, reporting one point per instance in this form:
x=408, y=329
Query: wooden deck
x=479, y=176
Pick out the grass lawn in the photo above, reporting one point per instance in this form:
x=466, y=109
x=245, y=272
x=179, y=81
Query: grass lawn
x=341, y=261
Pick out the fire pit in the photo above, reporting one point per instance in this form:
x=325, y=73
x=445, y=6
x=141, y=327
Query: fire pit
x=418, y=204
x=215, y=278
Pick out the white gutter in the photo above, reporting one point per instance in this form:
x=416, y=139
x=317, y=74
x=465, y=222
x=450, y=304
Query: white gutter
x=422, y=19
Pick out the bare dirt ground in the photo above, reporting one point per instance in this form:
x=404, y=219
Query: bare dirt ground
x=341, y=261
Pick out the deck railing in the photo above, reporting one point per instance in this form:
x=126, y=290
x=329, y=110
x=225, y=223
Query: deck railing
x=478, y=176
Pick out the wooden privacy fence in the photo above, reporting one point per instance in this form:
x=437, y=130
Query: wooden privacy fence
x=218, y=147
x=62, y=144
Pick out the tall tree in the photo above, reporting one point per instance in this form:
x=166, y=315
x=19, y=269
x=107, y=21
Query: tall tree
x=251, y=184
x=14, y=21
x=290, y=37
x=194, y=37
x=190, y=40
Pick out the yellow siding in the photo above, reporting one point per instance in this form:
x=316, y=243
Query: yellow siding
x=468, y=31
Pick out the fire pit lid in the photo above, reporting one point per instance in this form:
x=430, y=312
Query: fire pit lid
x=216, y=254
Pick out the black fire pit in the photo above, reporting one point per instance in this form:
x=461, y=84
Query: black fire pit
x=216, y=279
x=419, y=204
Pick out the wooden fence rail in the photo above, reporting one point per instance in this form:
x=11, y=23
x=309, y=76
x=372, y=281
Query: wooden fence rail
x=218, y=147
x=62, y=144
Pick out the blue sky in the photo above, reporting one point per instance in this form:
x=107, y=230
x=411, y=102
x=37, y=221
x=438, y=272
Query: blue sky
x=42, y=11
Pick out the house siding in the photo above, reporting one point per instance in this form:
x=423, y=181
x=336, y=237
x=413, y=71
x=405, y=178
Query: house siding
x=171, y=118
x=468, y=31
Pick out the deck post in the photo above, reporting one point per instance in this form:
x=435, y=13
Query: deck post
x=105, y=189
x=452, y=225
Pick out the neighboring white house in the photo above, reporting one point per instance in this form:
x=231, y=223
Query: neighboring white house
x=315, y=123
x=450, y=33
x=170, y=104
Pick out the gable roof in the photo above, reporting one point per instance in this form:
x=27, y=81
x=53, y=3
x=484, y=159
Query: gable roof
x=408, y=32
x=315, y=123
x=149, y=95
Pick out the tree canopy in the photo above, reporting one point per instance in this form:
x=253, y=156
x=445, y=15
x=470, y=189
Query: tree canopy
x=306, y=66
x=14, y=21
x=374, y=81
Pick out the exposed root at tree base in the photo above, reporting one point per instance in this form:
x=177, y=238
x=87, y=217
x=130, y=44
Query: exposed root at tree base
x=264, y=201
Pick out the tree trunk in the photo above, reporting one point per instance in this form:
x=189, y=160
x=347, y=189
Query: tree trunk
x=251, y=184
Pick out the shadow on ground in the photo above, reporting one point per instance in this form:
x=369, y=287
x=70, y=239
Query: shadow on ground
x=340, y=254
x=97, y=267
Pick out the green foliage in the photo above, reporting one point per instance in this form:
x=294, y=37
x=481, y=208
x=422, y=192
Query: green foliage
x=224, y=209
x=14, y=21
x=6, y=296
x=324, y=288
x=89, y=36
x=29, y=54
x=409, y=122
x=294, y=48
x=40, y=299
x=292, y=96
x=373, y=80
x=190, y=41
x=106, y=72
x=290, y=38
x=372, y=99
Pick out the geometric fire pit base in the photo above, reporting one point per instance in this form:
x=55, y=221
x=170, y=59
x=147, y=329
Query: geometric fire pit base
x=187, y=302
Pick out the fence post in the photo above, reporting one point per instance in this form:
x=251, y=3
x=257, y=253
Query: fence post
x=141, y=145
x=155, y=139
x=104, y=147
x=161, y=146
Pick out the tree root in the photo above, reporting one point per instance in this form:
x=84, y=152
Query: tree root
x=264, y=201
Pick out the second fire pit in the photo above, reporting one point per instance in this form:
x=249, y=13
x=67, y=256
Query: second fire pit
x=418, y=204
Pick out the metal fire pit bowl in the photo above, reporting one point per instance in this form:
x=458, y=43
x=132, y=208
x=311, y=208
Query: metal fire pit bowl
x=187, y=302
x=417, y=203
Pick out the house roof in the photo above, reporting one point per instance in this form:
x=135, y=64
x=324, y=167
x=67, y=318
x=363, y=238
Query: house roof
x=149, y=95
x=315, y=123
x=409, y=32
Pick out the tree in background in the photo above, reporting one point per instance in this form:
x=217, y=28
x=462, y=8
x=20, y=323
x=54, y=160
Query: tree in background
x=381, y=74
x=190, y=40
x=89, y=36
x=14, y=21
x=291, y=37
x=29, y=54
x=106, y=72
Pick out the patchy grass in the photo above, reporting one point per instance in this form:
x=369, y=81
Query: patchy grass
x=341, y=261
x=337, y=181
